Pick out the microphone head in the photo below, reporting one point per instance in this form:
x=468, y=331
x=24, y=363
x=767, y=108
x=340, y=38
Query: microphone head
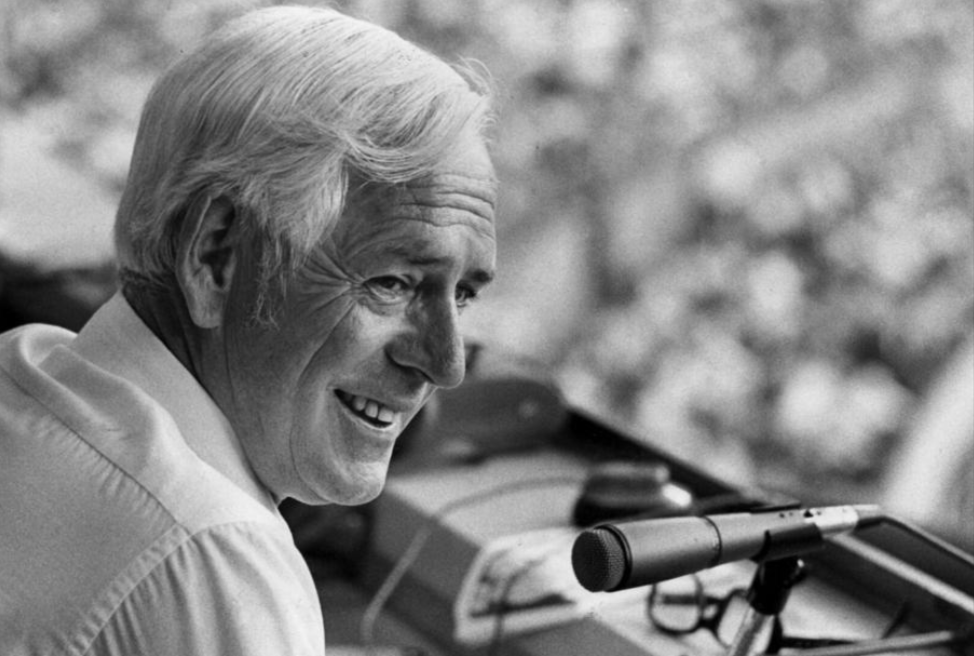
x=599, y=560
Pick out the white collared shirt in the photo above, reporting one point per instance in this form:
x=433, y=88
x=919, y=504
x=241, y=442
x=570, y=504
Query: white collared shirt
x=116, y=537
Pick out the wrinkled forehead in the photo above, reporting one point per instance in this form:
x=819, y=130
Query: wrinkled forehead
x=466, y=169
x=462, y=188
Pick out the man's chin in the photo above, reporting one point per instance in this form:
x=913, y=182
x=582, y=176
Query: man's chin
x=362, y=495
x=352, y=492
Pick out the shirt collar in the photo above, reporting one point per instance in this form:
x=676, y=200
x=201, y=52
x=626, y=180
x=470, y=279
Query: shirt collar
x=117, y=340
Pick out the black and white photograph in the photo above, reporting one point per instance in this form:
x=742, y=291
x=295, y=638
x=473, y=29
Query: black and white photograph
x=486, y=327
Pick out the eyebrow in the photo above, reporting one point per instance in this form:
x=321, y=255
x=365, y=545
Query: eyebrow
x=479, y=275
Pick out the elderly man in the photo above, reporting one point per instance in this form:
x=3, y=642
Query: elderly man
x=309, y=209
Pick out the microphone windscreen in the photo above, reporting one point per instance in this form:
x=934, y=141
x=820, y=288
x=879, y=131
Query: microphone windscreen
x=599, y=560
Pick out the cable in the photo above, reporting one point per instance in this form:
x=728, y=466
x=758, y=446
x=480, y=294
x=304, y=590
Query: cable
x=409, y=556
x=503, y=604
x=502, y=607
x=884, y=645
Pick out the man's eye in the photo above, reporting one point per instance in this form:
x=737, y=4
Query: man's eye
x=388, y=286
x=465, y=296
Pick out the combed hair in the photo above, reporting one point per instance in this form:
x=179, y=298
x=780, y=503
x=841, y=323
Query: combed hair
x=276, y=112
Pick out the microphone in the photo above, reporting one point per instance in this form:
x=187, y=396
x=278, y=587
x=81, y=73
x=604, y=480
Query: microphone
x=626, y=555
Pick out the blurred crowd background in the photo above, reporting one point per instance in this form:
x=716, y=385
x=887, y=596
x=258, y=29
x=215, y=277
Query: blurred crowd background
x=741, y=231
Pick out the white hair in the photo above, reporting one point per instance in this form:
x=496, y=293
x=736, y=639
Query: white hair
x=275, y=112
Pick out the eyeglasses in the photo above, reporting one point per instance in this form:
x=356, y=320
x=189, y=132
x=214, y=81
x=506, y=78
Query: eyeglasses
x=682, y=606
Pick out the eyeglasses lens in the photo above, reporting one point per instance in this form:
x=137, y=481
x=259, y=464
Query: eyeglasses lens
x=681, y=606
x=676, y=605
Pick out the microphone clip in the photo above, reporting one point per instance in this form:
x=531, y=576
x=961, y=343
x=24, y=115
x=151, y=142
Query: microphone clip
x=785, y=542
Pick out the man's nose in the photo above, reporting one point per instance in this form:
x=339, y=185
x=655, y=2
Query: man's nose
x=434, y=345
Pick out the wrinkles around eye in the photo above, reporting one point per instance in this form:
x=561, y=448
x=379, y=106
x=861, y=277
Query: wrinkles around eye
x=322, y=269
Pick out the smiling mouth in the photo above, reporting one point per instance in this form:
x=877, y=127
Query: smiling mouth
x=368, y=410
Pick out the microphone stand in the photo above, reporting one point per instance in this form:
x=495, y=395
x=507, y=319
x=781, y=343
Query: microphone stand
x=766, y=598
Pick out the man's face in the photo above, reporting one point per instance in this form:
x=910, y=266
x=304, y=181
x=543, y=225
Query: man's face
x=365, y=333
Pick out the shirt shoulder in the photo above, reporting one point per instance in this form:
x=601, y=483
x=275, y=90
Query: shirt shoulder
x=106, y=508
x=229, y=589
x=60, y=408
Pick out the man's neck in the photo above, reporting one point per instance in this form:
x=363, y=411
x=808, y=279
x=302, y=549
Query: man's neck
x=164, y=313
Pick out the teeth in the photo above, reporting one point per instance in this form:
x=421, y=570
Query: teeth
x=369, y=408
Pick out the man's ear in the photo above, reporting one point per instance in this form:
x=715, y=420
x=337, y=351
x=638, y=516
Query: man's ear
x=206, y=258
